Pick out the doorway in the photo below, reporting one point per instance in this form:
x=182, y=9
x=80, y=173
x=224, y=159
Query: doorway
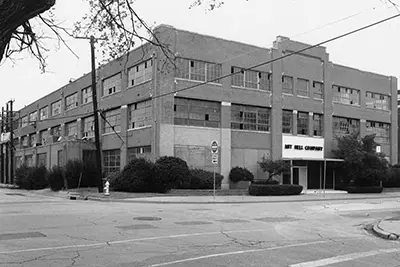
x=300, y=176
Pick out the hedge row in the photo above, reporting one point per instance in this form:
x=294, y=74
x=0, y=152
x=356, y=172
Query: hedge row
x=364, y=189
x=274, y=190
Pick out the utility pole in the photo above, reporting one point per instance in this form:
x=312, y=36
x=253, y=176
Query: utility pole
x=95, y=113
x=2, y=148
x=11, y=122
x=7, y=179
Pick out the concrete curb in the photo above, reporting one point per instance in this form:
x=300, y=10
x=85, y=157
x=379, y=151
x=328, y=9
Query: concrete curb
x=383, y=234
x=222, y=202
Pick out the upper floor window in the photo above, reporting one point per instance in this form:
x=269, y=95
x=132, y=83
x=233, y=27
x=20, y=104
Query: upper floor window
x=345, y=126
x=33, y=116
x=198, y=70
x=303, y=87
x=43, y=135
x=197, y=113
x=381, y=131
x=56, y=108
x=302, y=123
x=318, y=90
x=251, y=79
x=139, y=152
x=287, y=121
x=346, y=95
x=32, y=139
x=287, y=85
x=25, y=141
x=24, y=121
x=87, y=95
x=250, y=118
x=44, y=113
x=318, y=125
x=71, y=129
x=377, y=101
x=112, y=121
x=88, y=127
x=56, y=131
x=141, y=73
x=71, y=101
x=140, y=114
x=112, y=84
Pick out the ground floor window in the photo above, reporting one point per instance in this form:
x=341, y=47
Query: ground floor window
x=41, y=159
x=111, y=161
x=139, y=152
x=29, y=160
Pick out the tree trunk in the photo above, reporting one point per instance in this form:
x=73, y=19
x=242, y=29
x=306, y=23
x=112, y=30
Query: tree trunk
x=13, y=13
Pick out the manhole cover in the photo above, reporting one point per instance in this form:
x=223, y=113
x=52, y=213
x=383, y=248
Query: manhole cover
x=193, y=223
x=233, y=221
x=147, y=218
x=14, y=194
x=21, y=235
x=278, y=219
x=137, y=227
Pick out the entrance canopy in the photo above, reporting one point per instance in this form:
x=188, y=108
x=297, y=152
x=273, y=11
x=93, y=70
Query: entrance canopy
x=313, y=159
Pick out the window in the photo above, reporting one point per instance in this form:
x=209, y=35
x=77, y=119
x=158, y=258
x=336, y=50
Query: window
x=112, y=85
x=112, y=161
x=302, y=123
x=197, y=113
x=345, y=126
x=287, y=85
x=287, y=121
x=198, y=70
x=250, y=118
x=71, y=101
x=41, y=159
x=71, y=129
x=302, y=87
x=33, y=116
x=56, y=131
x=346, y=95
x=318, y=125
x=24, y=121
x=139, y=152
x=56, y=108
x=88, y=127
x=60, y=158
x=25, y=141
x=141, y=73
x=140, y=114
x=377, y=101
x=318, y=90
x=112, y=121
x=32, y=140
x=29, y=160
x=251, y=79
x=44, y=113
x=381, y=131
x=43, y=137
x=87, y=95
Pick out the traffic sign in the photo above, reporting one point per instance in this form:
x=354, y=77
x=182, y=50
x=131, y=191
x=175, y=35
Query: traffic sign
x=214, y=158
x=214, y=147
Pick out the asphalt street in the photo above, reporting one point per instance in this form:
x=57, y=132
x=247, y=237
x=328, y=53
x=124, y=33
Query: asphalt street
x=45, y=231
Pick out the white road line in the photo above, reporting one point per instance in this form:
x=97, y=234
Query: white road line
x=236, y=253
x=127, y=241
x=342, y=258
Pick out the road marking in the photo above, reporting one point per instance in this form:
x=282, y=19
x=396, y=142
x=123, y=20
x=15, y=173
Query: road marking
x=342, y=258
x=236, y=253
x=127, y=241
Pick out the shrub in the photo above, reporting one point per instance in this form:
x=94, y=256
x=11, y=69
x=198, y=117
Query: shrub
x=364, y=189
x=175, y=171
x=80, y=174
x=114, y=179
x=273, y=167
x=55, y=178
x=202, y=179
x=31, y=178
x=240, y=174
x=274, y=190
x=265, y=181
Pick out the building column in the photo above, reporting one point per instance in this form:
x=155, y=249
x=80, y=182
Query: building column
x=276, y=105
x=310, y=124
x=225, y=145
x=294, y=122
x=124, y=128
x=79, y=128
x=63, y=130
x=363, y=127
x=394, y=126
x=328, y=106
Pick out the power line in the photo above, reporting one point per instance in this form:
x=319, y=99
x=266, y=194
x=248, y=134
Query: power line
x=279, y=58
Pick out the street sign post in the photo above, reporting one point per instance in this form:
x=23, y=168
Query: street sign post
x=214, y=158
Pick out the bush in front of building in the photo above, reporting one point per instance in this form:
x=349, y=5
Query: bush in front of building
x=202, y=179
x=364, y=189
x=273, y=167
x=80, y=174
x=274, y=190
x=31, y=178
x=238, y=174
x=265, y=181
x=173, y=171
x=55, y=178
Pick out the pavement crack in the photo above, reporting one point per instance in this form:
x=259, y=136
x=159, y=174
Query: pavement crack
x=75, y=258
x=80, y=238
x=242, y=242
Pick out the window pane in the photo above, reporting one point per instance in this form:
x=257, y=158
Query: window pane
x=302, y=87
x=197, y=113
x=302, y=123
x=250, y=118
x=287, y=84
x=287, y=121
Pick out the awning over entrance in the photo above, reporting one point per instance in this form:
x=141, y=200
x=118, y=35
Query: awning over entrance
x=312, y=159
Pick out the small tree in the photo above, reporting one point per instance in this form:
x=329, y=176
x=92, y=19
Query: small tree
x=273, y=167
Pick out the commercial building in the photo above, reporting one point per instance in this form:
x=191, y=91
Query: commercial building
x=291, y=109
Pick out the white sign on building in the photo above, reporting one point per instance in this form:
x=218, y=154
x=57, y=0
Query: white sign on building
x=301, y=147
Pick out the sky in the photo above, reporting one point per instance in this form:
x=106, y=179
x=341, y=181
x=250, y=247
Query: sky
x=256, y=22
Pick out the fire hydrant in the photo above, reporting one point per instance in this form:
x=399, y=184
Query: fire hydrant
x=107, y=188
